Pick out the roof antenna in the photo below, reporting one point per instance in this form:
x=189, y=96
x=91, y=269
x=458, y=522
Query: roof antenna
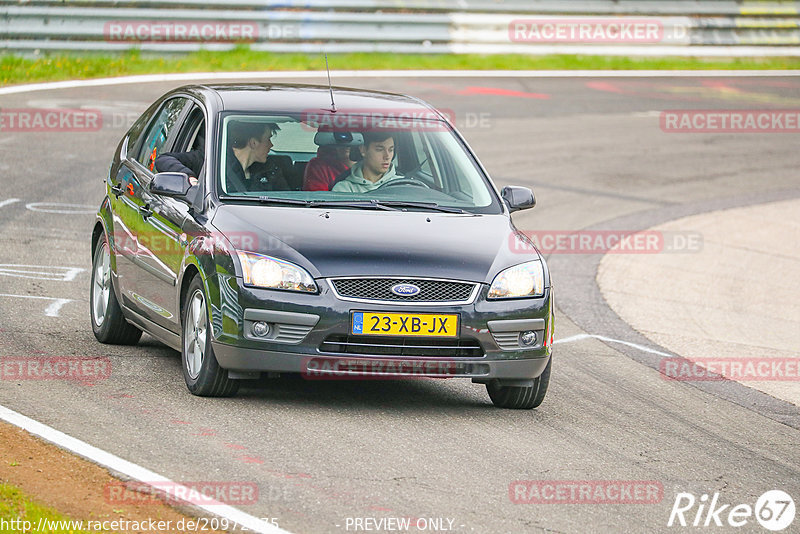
x=330, y=87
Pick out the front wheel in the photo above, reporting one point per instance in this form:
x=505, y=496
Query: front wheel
x=203, y=375
x=108, y=323
x=520, y=397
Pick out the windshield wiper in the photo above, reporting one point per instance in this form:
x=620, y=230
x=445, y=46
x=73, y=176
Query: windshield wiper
x=390, y=205
x=422, y=205
x=363, y=204
x=367, y=204
x=267, y=200
x=278, y=200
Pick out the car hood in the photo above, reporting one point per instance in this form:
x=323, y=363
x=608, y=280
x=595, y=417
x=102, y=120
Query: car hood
x=353, y=242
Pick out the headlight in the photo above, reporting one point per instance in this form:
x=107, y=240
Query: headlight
x=271, y=273
x=524, y=280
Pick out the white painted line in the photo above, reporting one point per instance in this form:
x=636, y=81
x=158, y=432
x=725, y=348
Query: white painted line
x=570, y=339
x=282, y=75
x=7, y=202
x=579, y=337
x=56, y=207
x=40, y=272
x=52, y=309
x=134, y=471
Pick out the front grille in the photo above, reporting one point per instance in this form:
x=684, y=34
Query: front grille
x=401, y=346
x=381, y=289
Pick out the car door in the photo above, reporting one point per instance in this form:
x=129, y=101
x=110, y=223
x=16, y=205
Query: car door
x=134, y=205
x=122, y=181
x=161, y=254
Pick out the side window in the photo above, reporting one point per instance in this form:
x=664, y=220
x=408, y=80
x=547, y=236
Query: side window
x=422, y=153
x=294, y=138
x=136, y=131
x=192, y=133
x=425, y=163
x=159, y=131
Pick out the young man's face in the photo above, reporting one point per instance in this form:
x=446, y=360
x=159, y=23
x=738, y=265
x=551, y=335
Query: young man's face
x=378, y=157
x=261, y=147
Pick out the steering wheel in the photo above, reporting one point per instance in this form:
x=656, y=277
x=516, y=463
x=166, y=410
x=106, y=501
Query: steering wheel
x=405, y=181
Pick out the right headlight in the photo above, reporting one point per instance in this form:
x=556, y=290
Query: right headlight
x=259, y=270
x=523, y=280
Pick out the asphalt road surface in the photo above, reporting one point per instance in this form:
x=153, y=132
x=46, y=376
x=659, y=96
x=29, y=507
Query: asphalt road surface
x=326, y=453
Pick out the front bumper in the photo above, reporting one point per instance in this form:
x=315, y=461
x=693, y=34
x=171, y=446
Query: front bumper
x=302, y=323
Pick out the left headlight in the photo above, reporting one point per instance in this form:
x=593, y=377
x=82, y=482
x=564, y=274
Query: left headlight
x=523, y=280
x=271, y=273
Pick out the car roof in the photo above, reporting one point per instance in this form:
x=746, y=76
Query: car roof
x=308, y=98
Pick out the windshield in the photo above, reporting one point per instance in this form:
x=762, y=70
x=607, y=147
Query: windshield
x=350, y=160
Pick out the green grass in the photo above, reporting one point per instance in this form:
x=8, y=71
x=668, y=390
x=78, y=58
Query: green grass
x=15, y=505
x=16, y=69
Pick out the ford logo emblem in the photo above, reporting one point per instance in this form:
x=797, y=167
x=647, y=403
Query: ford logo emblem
x=405, y=290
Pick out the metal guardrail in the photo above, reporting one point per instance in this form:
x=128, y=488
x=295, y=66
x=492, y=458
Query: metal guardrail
x=542, y=7
x=683, y=27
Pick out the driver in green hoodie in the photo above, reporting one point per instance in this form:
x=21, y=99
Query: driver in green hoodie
x=374, y=169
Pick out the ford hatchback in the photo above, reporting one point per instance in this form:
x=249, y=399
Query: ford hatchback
x=264, y=228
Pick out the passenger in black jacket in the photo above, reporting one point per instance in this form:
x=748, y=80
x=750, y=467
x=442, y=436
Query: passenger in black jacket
x=186, y=162
x=246, y=164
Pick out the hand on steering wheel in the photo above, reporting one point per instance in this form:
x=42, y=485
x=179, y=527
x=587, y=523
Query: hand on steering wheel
x=405, y=181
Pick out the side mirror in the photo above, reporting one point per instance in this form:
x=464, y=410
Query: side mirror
x=170, y=184
x=518, y=198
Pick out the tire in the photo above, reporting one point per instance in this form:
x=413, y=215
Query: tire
x=203, y=375
x=108, y=323
x=520, y=397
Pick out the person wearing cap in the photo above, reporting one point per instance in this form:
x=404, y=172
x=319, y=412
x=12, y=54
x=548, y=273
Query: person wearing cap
x=374, y=169
x=332, y=159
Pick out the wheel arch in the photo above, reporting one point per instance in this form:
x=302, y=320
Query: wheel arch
x=186, y=280
x=97, y=232
x=101, y=225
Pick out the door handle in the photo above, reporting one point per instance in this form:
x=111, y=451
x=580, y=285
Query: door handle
x=117, y=190
x=145, y=211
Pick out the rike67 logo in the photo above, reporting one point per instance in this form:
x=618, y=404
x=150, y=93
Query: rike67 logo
x=774, y=510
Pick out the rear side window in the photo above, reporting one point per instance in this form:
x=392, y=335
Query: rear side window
x=135, y=133
x=159, y=131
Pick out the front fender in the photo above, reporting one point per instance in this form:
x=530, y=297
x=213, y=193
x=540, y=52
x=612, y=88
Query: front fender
x=213, y=261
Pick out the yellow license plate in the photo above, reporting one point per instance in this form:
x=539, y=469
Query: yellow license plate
x=404, y=324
